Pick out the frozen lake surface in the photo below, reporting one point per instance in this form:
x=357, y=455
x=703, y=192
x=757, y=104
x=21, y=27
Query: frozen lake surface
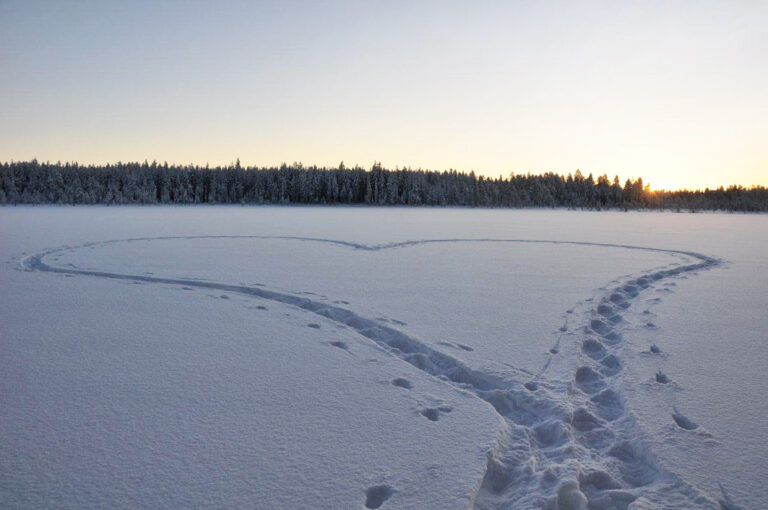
x=308, y=357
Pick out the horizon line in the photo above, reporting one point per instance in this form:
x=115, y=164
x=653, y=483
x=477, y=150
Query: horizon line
x=236, y=163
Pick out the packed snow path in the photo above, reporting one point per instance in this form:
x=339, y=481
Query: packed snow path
x=568, y=443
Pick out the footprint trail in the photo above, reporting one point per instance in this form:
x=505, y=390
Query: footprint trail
x=567, y=444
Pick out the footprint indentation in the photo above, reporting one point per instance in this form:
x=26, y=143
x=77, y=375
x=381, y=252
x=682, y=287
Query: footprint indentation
x=589, y=380
x=340, y=344
x=376, y=496
x=612, y=364
x=609, y=404
x=552, y=433
x=683, y=421
x=586, y=375
x=600, y=480
x=584, y=421
x=431, y=413
x=612, y=338
x=313, y=325
x=605, y=310
x=599, y=327
x=401, y=382
x=638, y=469
x=593, y=348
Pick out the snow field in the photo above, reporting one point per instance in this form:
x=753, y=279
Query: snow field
x=544, y=332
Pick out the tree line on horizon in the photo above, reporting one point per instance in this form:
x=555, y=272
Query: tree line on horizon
x=31, y=182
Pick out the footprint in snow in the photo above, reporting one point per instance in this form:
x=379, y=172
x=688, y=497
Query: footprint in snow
x=402, y=382
x=433, y=413
x=682, y=421
x=376, y=496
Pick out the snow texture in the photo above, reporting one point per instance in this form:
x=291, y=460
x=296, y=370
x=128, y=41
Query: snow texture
x=380, y=358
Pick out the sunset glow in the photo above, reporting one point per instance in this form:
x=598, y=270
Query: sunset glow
x=674, y=92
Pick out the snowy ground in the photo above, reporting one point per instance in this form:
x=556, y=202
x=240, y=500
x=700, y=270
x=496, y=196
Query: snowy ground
x=409, y=358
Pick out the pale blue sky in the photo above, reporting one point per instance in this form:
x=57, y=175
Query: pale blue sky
x=672, y=91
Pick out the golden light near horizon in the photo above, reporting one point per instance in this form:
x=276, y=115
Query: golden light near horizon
x=672, y=93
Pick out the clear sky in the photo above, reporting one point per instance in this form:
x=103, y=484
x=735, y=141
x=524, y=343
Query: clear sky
x=673, y=91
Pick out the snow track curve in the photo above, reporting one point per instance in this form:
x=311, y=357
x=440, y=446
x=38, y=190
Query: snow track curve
x=567, y=444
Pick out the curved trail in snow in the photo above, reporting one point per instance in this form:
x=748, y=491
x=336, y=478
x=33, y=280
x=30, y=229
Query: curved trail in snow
x=567, y=445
